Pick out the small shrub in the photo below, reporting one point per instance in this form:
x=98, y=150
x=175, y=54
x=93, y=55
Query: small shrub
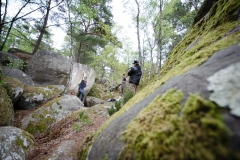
x=114, y=109
x=83, y=118
x=77, y=128
x=127, y=95
x=111, y=111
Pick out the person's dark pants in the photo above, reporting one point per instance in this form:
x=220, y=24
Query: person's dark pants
x=81, y=92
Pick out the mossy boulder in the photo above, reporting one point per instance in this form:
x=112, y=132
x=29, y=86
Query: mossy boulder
x=18, y=74
x=49, y=68
x=0, y=70
x=6, y=108
x=14, y=88
x=15, y=143
x=173, y=118
x=33, y=96
x=50, y=113
x=94, y=92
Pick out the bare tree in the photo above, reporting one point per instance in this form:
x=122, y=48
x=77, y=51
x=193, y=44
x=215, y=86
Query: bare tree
x=7, y=25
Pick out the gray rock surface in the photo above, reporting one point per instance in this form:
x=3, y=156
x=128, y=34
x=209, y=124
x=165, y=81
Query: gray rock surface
x=15, y=143
x=14, y=88
x=18, y=74
x=49, y=68
x=60, y=153
x=79, y=72
x=33, y=96
x=108, y=144
x=91, y=101
x=50, y=113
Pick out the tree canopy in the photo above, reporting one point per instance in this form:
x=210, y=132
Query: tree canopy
x=92, y=37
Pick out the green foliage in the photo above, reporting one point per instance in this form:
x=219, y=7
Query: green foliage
x=83, y=118
x=14, y=63
x=77, y=128
x=114, y=109
x=127, y=95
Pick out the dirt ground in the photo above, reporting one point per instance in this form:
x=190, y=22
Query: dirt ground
x=69, y=129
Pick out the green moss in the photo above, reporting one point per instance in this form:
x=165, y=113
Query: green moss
x=55, y=89
x=198, y=133
x=12, y=83
x=42, y=122
x=94, y=92
x=39, y=126
x=32, y=90
x=6, y=109
x=19, y=142
x=84, y=147
x=210, y=36
x=29, y=139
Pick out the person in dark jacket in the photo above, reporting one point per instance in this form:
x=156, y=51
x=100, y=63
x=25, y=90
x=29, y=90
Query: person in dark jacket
x=82, y=85
x=135, y=74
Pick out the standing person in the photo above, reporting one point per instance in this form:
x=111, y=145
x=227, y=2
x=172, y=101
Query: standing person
x=135, y=74
x=82, y=85
x=123, y=83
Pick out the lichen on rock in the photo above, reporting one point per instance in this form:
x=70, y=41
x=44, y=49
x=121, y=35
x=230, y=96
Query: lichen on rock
x=225, y=85
x=15, y=143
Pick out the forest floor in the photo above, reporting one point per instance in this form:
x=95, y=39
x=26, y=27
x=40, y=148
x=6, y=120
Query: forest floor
x=70, y=129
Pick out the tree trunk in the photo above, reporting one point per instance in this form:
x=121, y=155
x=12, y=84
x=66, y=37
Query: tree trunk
x=79, y=52
x=138, y=34
x=159, y=41
x=2, y=21
x=42, y=29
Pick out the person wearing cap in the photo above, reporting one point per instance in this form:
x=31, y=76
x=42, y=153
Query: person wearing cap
x=135, y=74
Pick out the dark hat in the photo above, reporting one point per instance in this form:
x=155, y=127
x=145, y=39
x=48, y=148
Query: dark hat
x=135, y=62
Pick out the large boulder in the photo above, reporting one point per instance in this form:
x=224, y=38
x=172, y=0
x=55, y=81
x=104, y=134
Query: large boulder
x=180, y=116
x=33, y=96
x=15, y=143
x=50, y=113
x=18, y=74
x=49, y=68
x=14, y=88
x=91, y=101
x=80, y=71
x=6, y=109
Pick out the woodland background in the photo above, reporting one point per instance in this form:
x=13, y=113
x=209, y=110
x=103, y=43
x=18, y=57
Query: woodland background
x=92, y=35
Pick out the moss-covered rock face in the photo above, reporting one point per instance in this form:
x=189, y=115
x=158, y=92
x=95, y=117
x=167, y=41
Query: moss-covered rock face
x=94, y=92
x=6, y=109
x=159, y=133
x=51, y=112
x=14, y=88
x=0, y=70
x=33, y=96
x=173, y=126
